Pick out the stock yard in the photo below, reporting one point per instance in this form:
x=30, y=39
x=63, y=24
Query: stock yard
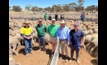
x=88, y=56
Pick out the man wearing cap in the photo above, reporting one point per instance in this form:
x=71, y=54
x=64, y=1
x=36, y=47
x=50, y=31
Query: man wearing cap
x=26, y=33
x=76, y=40
x=52, y=30
x=41, y=30
x=64, y=38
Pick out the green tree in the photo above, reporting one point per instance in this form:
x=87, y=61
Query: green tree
x=16, y=8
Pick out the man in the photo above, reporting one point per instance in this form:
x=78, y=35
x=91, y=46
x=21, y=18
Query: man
x=27, y=33
x=45, y=16
x=50, y=17
x=56, y=16
x=52, y=30
x=82, y=17
x=64, y=38
x=41, y=30
x=61, y=17
x=77, y=39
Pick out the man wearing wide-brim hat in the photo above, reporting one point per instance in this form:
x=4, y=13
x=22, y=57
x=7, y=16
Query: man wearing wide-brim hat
x=41, y=32
x=26, y=33
x=64, y=38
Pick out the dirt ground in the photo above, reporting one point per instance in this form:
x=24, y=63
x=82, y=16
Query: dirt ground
x=42, y=58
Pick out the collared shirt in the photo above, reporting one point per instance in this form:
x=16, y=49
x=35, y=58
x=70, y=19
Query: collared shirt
x=26, y=31
x=45, y=16
x=52, y=30
x=76, y=37
x=63, y=33
x=41, y=30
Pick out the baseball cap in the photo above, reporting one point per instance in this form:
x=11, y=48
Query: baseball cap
x=53, y=19
x=76, y=24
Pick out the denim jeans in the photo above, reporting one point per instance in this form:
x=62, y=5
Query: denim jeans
x=28, y=45
x=77, y=49
x=41, y=41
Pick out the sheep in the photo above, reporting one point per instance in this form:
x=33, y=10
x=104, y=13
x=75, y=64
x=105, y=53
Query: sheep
x=92, y=47
x=14, y=43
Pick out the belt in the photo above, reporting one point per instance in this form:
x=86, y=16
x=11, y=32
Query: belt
x=62, y=39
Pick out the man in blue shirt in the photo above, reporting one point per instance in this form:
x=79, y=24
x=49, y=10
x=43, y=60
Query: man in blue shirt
x=82, y=17
x=63, y=37
x=77, y=40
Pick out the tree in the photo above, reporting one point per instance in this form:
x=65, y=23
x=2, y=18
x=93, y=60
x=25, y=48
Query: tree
x=96, y=8
x=17, y=8
x=9, y=7
x=80, y=5
x=66, y=7
x=48, y=9
x=73, y=6
x=91, y=8
x=28, y=7
x=34, y=8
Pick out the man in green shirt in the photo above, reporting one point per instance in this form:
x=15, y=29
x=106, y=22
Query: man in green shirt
x=52, y=30
x=41, y=30
x=45, y=16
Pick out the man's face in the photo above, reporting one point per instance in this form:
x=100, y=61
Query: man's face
x=75, y=27
x=53, y=22
x=26, y=24
x=40, y=22
x=62, y=25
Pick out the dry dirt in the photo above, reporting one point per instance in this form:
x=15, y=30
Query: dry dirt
x=42, y=58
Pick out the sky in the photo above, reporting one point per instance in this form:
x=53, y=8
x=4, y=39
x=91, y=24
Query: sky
x=47, y=3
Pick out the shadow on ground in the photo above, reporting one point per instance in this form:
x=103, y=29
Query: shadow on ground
x=21, y=51
x=94, y=62
x=48, y=51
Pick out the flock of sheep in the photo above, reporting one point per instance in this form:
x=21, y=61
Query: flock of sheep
x=15, y=40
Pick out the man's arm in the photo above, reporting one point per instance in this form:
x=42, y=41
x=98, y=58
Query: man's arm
x=82, y=39
x=57, y=34
x=46, y=30
x=22, y=32
x=70, y=36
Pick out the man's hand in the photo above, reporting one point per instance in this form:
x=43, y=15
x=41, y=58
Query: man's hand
x=57, y=40
x=69, y=43
x=27, y=37
x=82, y=44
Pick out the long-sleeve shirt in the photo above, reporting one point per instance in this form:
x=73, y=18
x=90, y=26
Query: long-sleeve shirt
x=63, y=33
x=41, y=30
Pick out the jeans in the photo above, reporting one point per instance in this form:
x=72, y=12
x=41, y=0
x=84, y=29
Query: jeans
x=41, y=41
x=28, y=45
x=77, y=49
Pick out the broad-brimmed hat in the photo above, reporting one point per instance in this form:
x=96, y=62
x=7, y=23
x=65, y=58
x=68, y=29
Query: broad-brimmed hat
x=26, y=22
x=62, y=22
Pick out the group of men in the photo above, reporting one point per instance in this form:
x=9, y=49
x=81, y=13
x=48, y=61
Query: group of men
x=73, y=38
x=50, y=17
x=82, y=17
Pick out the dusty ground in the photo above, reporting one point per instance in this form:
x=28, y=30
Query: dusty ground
x=42, y=58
